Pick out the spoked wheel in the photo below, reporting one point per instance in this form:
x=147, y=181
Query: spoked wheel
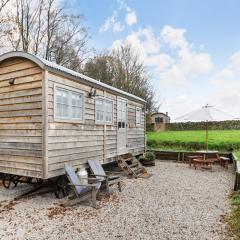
x=39, y=180
x=62, y=187
x=10, y=181
x=29, y=179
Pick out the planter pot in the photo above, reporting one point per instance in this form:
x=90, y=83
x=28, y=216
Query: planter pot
x=148, y=162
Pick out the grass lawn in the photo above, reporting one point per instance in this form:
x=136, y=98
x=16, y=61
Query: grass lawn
x=234, y=219
x=221, y=140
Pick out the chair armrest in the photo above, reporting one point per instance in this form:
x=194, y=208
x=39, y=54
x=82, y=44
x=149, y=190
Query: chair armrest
x=99, y=175
x=114, y=172
x=86, y=185
x=95, y=179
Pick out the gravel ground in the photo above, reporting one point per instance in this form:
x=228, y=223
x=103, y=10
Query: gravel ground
x=175, y=203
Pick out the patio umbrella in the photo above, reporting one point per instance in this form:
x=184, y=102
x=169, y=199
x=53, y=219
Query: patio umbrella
x=206, y=114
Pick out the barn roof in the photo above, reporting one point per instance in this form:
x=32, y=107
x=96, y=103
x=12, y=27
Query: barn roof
x=45, y=64
x=160, y=113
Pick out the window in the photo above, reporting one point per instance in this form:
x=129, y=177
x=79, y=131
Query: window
x=68, y=104
x=138, y=116
x=104, y=110
x=158, y=120
x=122, y=113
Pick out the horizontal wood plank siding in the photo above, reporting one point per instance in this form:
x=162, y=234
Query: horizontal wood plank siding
x=77, y=142
x=21, y=118
x=73, y=142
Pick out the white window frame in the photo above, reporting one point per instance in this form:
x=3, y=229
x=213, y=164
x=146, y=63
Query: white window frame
x=104, y=113
x=70, y=91
x=140, y=120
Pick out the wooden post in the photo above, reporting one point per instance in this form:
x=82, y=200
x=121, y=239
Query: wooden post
x=104, y=143
x=104, y=136
x=179, y=156
x=145, y=129
x=207, y=136
x=45, y=122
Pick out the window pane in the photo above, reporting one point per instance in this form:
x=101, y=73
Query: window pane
x=99, y=109
x=69, y=104
x=59, y=97
x=74, y=100
x=65, y=112
x=108, y=111
x=76, y=108
x=59, y=110
x=74, y=112
x=65, y=97
x=104, y=110
x=138, y=116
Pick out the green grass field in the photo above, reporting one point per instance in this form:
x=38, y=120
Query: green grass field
x=234, y=218
x=221, y=140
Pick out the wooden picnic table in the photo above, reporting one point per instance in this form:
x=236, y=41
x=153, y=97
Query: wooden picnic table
x=207, y=163
x=205, y=153
x=202, y=161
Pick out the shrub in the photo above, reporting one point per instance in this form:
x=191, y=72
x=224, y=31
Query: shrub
x=150, y=156
x=150, y=127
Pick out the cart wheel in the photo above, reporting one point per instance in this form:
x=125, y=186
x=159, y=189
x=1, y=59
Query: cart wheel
x=10, y=181
x=29, y=179
x=62, y=187
x=39, y=180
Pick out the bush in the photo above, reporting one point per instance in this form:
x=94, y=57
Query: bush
x=150, y=127
x=221, y=125
x=150, y=156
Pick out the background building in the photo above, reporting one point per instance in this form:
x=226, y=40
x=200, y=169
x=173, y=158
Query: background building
x=159, y=121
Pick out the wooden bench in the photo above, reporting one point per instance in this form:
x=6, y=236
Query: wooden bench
x=192, y=157
x=224, y=162
x=206, y=164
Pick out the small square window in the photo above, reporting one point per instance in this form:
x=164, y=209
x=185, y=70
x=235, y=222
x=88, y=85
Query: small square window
x=104, y=110
x=138, y=116
x=68, y=104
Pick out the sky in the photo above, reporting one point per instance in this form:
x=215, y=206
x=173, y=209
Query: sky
x=191, y=48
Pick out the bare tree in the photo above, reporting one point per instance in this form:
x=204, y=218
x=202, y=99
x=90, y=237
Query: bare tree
x=42, y=27
x=3, y=3
x=122, y=68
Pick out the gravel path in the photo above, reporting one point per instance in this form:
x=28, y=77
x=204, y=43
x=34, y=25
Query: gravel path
x=176, y=203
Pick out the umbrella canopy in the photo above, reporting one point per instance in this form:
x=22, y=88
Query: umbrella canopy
x=204, y=114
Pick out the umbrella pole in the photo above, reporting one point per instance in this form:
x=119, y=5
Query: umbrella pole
x=207, y=136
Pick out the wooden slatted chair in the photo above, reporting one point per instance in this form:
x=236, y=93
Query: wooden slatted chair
x=108, y=180
x=82, y=191
x=224, y=161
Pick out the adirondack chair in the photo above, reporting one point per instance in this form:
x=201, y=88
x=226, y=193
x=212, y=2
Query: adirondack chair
x=82, y=191
x=107, y=180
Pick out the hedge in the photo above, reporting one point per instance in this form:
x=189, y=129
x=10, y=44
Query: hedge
x=222, y=125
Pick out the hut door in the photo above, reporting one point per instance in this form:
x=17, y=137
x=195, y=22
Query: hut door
x=121, y=126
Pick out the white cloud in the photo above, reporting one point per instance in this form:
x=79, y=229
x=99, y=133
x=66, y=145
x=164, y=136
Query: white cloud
x=131, y=18
x=175, y=37
x=188, y=64
x=185, y=77
x=112, y=23
x=225, y=86
x=176, y=68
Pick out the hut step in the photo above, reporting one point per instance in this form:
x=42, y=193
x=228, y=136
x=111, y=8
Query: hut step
x=130, y=165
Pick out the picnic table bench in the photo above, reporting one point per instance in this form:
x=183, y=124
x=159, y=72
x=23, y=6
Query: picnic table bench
x=203, y=163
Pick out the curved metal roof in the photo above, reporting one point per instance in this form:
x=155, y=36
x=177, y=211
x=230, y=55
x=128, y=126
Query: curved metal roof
x=45, y=64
